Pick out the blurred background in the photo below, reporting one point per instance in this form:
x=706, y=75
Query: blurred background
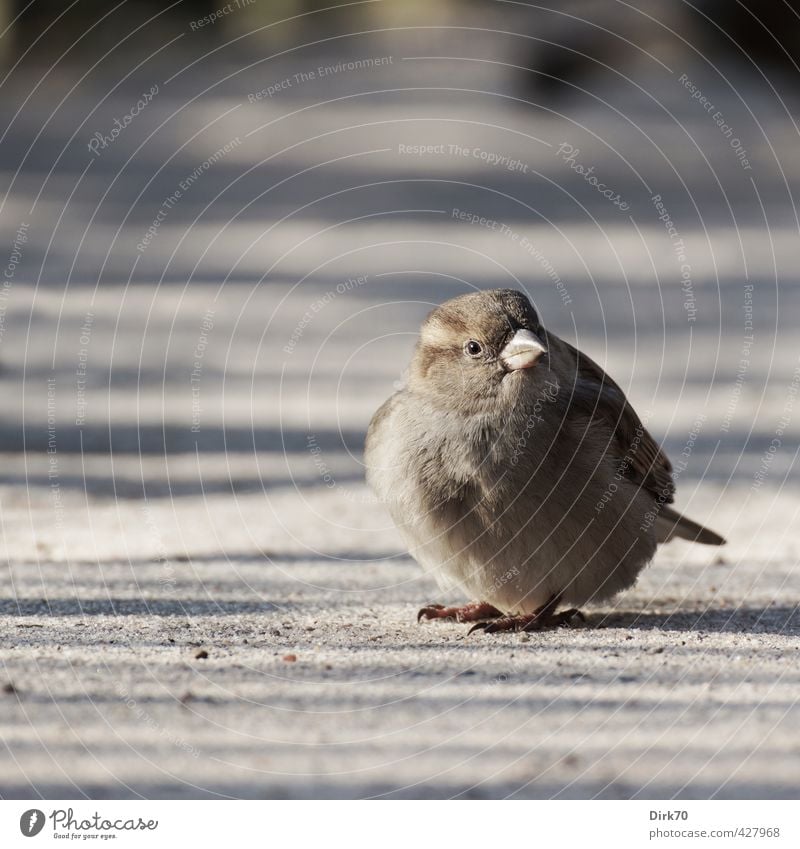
x=243, y=160
x=223, y=224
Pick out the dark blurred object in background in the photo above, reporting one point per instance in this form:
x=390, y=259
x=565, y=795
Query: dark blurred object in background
x=142, y=22
x=767, y=33
x=573, y=41
x=577, y=42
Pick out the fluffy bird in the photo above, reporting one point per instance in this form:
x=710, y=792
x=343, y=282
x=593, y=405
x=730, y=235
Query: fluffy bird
x=517, y=471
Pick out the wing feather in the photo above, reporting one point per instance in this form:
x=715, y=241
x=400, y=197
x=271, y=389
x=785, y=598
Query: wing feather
x=598, y=396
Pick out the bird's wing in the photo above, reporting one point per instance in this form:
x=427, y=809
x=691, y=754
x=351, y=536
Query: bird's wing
x=598, y=396
x=379, y=419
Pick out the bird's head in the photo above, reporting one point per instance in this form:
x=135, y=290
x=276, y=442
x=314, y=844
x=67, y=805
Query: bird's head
x=477, y=348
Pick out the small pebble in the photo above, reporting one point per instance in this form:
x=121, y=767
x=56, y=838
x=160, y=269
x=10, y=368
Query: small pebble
x=290, y=658
x=201, y=655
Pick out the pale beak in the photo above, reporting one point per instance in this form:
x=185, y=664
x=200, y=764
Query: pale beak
x=522, y=351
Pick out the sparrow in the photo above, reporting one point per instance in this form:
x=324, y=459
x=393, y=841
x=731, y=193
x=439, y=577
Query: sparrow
x=517, y=471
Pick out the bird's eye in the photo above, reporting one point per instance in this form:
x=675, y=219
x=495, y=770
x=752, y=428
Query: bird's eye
x=473, y=348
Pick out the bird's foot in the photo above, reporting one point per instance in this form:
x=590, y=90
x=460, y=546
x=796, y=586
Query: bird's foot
x=542, y=619
x=474, y=612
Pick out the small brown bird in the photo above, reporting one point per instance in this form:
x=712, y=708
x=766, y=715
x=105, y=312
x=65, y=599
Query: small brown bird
x=516, y=469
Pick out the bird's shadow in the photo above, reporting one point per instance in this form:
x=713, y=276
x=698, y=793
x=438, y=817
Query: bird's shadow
x=771, y=619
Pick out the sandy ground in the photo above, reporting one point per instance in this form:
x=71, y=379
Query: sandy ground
x=199, y=596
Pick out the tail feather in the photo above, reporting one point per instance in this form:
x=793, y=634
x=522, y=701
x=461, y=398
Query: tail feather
x=671, y=524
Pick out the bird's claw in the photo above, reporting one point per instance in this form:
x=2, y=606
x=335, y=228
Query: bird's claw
x=538, y=621
x=467, y=613
x=430, y=611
